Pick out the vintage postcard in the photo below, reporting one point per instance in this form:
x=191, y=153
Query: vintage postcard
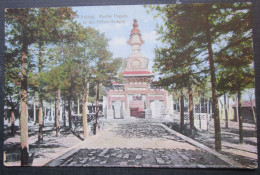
x=168, y=85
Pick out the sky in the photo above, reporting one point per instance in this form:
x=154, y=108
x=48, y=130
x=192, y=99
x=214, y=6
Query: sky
x=116, y=22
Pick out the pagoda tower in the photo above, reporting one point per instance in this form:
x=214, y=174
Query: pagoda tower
x=137, y=64
x=136, y=98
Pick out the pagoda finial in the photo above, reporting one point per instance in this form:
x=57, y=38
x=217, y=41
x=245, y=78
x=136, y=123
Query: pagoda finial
x=135, y=31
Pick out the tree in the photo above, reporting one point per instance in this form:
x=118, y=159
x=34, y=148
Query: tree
x=12, y=68
x=104, y=72
x=86, y=50
x=23, y=26
x=238, y=73
x=177, y=61
x=251, y=94
x=210, y=24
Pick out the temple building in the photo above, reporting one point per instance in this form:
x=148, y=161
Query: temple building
x=137, y=97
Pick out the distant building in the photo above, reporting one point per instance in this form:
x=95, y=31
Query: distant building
x=246, y=111
x=137, y=97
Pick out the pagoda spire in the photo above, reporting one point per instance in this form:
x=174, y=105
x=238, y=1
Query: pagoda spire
x=135, y=39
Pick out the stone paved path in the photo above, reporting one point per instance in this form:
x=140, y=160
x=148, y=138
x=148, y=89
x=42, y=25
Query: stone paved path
x=143, y=157
x=138, y=144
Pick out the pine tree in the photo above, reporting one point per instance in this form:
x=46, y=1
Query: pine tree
x=23, y=26
x=210, y=24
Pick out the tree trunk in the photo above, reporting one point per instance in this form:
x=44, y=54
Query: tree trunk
x=78, y=108
x=40, y=116
x=12, y=120
x=213, y=87
x=84, y=111
x=207, y=111
x=40, y=133
x=64, y=113
x=55, y=111
x=200, y=105
x=181, y=113
x=44, y=114
x=24, y=116
x=241, y=139
x=252, y=108
x=96, y=114
x=58, y=113
x=191, y=109
x=69, y=112
x=34, y=112
x=226, y=113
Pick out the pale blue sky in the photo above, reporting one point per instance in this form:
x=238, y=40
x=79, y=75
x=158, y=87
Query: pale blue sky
x=118, y=33
x=118, y=29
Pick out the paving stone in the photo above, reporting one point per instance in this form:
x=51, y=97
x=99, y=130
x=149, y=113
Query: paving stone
x=92, y=158
x=166, y=157
x=119, y=155
x=131, y=161
x=103, y=152
x=83, y=160
x=201, y=166
x=146, y=165
x=114, y=154
x=126, y=156
x=68, y=161
x=192, y=159
x=145, y=154
x=72, y=164
x=184, y=157
x=168, y=162
x=97, y=160
x=138, y=156
x=159, y=161
x=103, y=162
x=142, y=156
x=123, y=163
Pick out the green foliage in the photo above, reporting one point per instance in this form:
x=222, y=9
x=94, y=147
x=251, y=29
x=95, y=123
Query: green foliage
x=85, y=52
x=12, y=77
x=182, y=60
x=236, y=68
x=35, y=24
x=38, y=26
x=177, y=61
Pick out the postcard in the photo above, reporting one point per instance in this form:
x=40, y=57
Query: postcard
x=168, y=85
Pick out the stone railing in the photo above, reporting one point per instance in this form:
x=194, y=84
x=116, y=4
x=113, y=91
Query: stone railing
x=77, y=122
x=201, y=120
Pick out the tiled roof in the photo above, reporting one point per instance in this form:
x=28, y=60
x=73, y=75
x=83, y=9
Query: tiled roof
x=136, y=73
x=245, y=103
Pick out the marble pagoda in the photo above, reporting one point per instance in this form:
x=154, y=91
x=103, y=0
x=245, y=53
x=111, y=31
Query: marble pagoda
x=137, y=97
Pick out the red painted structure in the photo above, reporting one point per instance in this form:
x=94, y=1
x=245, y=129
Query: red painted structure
x=135, y=97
